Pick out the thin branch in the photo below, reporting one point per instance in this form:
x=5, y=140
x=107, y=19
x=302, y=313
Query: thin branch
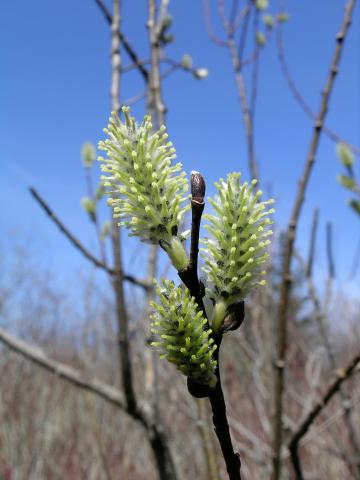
x=95, y=219
x=79, y=246
x=255, y=72
x=106, y=392
x=243, y=33
x=329, y=251
x=118, y=285
x=331, y=355
x=299, y=97
x=334, y=387
x=209, y=27
x=155, y=104
x=253, y=167
x=289, y=245
x=236, y=56
x=125, y=42
x=314, y=227
x=207, y=444
x=190, y=279
x=70, y=374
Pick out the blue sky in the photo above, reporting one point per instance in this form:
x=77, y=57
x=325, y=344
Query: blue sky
x=54, y=96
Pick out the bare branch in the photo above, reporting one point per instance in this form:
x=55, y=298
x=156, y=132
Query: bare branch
x=299, y=97
x=79, y=246
x=334, y=387
x=329, y=251
x=209, y=27
x=314, y=226
x=290, y=240
x=125, y=42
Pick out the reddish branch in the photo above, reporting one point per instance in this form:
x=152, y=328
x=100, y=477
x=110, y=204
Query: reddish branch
x=334, y=387
x=289, y=244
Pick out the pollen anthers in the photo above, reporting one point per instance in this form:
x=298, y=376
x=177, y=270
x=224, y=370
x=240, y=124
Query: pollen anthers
x=235, y=252
x=146, y=190
x=182, y=336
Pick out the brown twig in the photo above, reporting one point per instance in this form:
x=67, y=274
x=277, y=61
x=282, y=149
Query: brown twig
x=106, y=392
x=299, y=97
x=329, y=251
x=125, y=42
x=79, y=246
x=289, y=245
x=334, y=387
x=90, y=189
x=253, y=167
x=255, y=72
x=155, y=433
x=314, y=227
x=155, y=104
x=71, y=375
x=121, y=311
x=209, y=27
x=236, y=60
x=190, y=279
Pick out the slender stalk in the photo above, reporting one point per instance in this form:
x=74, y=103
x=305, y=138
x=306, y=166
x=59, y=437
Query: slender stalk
x=279, y=366
x=253, y=166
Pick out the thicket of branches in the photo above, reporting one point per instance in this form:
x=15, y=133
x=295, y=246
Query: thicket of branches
x=91, y=400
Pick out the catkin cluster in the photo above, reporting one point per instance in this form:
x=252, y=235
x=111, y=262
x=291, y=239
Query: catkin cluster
x=182, y=336
x=235, y=251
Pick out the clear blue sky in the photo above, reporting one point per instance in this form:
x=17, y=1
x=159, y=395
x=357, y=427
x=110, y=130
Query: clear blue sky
x=54, y=96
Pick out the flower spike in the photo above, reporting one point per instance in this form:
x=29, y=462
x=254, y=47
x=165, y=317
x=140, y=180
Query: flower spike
x=146, y=190
x=236, y=250
x=182, y=337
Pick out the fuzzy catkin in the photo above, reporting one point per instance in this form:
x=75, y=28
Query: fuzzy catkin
x=181, y=334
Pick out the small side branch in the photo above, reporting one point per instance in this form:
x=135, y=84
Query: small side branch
x=79, y=246
x=334, y=387
x=311, y=256
x=298, y=95
x=290, y=241
x=70, y=374
x=125, y=42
